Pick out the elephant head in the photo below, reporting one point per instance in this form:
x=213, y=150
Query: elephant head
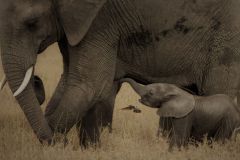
x=170, y=100
x=29, y=27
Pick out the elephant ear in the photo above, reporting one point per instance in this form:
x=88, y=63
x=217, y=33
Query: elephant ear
x=177, y=106
x=77, y=16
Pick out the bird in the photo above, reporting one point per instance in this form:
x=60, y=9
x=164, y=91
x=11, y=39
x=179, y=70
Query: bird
x=133, y=108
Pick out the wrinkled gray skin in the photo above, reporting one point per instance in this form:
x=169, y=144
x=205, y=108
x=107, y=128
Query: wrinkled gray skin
x=185, y=116
x=189, y=43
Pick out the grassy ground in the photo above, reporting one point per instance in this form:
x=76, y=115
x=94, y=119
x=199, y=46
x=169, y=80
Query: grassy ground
x=133, y=137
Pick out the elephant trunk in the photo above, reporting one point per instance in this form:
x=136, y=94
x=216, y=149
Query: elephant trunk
x=18, y=66
x=139, y=88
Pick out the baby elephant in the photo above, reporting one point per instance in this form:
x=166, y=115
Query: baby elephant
x=186, y=116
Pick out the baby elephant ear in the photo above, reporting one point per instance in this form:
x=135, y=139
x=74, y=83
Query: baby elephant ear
x=177, y=107
x=76, y=17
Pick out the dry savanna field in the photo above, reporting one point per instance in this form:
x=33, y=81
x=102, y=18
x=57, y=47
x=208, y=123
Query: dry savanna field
x=133, y=137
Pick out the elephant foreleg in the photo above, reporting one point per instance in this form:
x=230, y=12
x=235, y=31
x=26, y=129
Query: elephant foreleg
x=99, y=117
x=55, y=99
x=59, y=91
x=88, y=131
x=180, y=132
x=165, y=126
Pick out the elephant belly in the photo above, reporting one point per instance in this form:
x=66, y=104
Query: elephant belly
x=171, y=41
x=177, y=41
x=175, y=58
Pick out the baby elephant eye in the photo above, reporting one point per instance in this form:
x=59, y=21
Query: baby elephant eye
x=151, y=92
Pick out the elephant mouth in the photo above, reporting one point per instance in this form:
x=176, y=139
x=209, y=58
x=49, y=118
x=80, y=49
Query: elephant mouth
x=145, y=102
x=150, y=104
x=44, y=44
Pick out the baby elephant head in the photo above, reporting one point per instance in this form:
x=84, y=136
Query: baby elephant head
x=171, y=100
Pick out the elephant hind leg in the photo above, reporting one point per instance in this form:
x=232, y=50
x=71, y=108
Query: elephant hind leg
x=224, y=131
x=56, y=98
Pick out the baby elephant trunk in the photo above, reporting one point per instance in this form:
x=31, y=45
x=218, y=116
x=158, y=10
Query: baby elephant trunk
x=139, y=88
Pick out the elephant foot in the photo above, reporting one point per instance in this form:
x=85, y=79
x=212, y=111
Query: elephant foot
x=93, y=123
x=88, y=130
x=60, y=138
x=89, y=138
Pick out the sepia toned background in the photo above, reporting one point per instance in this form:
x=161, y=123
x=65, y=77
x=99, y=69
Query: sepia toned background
x=133, y=137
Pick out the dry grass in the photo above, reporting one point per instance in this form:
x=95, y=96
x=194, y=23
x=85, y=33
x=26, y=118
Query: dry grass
x=133, y=137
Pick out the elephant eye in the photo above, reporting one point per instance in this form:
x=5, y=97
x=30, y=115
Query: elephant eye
x=32, y=24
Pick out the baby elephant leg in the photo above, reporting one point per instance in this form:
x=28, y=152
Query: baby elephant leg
x=225, y=130
x=180, y=132
x=165, y=126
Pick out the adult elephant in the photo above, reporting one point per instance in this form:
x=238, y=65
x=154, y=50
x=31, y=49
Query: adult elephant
x=189, y=43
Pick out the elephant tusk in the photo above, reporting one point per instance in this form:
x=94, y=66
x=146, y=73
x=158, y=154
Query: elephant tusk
x=25, y=82
x=4, y=81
